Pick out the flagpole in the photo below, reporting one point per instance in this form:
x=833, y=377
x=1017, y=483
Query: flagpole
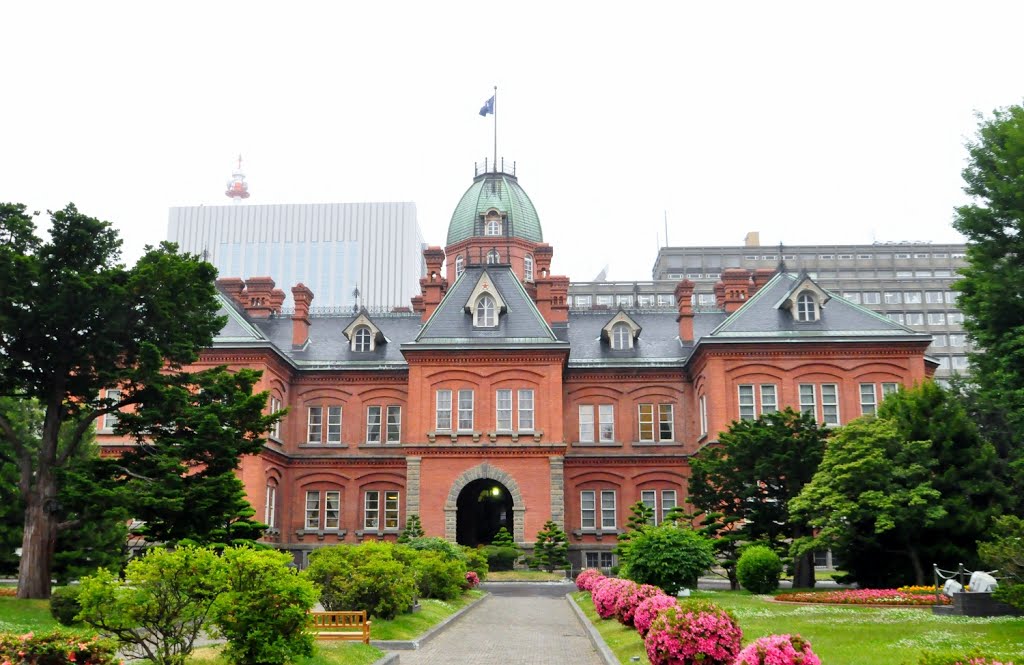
x=495, y=129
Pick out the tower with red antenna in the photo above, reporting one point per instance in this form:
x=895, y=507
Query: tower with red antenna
x=238, y=188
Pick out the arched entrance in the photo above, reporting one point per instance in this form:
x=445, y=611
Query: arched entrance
x=483, y=507
x=514, y=511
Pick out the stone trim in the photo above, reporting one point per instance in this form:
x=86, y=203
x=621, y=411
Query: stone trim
x=412, y=486
x=486, y=471
x=557, y=463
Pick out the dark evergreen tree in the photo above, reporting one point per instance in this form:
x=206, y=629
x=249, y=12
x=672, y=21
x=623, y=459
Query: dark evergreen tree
x=551, y=550
x=503, y=538
x=413, y=529
x=751, y=476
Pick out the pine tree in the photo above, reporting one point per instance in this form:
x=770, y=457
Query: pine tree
x=551, y=549
x=503, y=538
x=413, y=529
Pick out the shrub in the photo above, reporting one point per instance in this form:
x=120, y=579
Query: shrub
x=758, y=569
x=693, y=633
x=437, y=576
x=476, y=561
x=472, y=579
x=440, y=545
x=778, y=650
x=501, y=558
x=668, y=556
x=158, y=610
x=630, y=598
x=587, y=578
x=363, y=577
x=648, y=609
x=64, y=605
x=56, y=648
x=551, y=549
x=413, y=529
x=605, y=595
x=264, y=612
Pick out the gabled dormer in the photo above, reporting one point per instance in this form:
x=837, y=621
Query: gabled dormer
x=805, y=301
x=620, y=332
x=485, y=303
x=363, y=334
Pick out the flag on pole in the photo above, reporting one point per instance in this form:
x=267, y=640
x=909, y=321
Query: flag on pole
x=488, y=107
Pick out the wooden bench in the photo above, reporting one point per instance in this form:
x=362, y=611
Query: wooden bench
x=341, y=626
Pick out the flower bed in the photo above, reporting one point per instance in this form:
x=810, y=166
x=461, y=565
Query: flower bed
x=892, y=597
x=914, y=588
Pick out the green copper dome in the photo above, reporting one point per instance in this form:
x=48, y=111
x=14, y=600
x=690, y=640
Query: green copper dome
x=499, y=191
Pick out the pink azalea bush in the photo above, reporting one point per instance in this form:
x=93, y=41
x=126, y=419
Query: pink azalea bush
x=778, y=650
x=862, y=597
x=693, y=633
x=647, y=611
x=57, y=648
x=472, y=579
x=631, y=598
x=606, y=595
x=587, y=578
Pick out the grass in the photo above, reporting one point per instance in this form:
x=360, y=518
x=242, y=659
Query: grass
x=21, y=616
x=624, y=642
x=333, y=653
x=524, y=576
x=844, y=635
x=411, y=626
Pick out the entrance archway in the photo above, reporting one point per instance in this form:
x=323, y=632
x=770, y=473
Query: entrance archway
x=483, y=507
x=515, y=512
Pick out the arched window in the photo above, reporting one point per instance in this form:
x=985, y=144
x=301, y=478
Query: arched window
x=528, y=268
x=361, y=341
x=620, y=336
x=806, y=308
x=460, y=265
x=492, y=256
x=486, y=312
x=492, y=225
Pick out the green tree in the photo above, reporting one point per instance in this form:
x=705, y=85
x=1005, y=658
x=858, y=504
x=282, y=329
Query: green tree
x=871, y=482
x=750, y=478
x=1004, y=551
x=965, y=470
x=75, y=323
x=668, y=556
x=413, y=529
x=993, y=280
x=551, y=549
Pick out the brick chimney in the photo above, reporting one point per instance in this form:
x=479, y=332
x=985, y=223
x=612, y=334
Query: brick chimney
x=434, y=285
x=542, y=260
x=737, y=288
x=761, y=277
x=302, y=297
x=720, y=295
x=258, y=298
x=276, y=300
x=684, y=301
x=233, y=287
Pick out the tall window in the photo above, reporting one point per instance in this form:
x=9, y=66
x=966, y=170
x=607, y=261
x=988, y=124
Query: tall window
x=270, y=509
x=748, y=411
x=868, y=399
x=830, y=403
x=486, y=312
x=313, y=509
x=528, y=268
x=668, y=502
x=504, y=407
x=331, y=512
x=274, y=407
x=808, y=404
x=315, y=425
x=110, y=419
x=376, y=515
x=465, y=410
x=620, y=336
x=373, y=424
x=525, y=409
x=394, y=424
x=665, y=426
x=606, y=413
x=605, y=423
x=334, y=424
x=650, y=499
x=703, y=415
x=332, y=509
x=607, y=509
x=589, y=510
x=492, y=256
x=443, y=419
x=460, y=266
x=362, y=339
x=586, y=423
x=805, y=308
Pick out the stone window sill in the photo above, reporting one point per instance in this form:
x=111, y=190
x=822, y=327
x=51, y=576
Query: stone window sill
x=593, y=444
x=321, y=533
x=599, y=533
x=390, y=444
x=364, y=533
x=657, y=444
x=322, y=446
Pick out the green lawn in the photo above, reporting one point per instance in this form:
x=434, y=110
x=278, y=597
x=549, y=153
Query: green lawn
x=411, y=626
x=21, y=616
x=524, y=576
x=845, y=635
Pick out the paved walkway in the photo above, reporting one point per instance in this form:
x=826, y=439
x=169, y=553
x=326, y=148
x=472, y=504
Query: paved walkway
x=511, y=629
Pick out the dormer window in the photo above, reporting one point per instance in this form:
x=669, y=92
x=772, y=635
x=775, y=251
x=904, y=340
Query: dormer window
x=486, y=315
x=492, y=256
x=621, y=337
x=460, y=266
x=528, y=268
x=806, y=307
x=492, y=224
x=363, y=339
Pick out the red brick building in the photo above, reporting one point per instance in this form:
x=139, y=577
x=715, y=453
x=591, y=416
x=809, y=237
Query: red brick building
x=491, y=404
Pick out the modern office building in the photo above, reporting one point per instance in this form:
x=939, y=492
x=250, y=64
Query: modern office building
x=493, y=403
x=350, y=254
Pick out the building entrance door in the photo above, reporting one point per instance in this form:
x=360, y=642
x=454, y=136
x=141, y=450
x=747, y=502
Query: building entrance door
x=484, y=506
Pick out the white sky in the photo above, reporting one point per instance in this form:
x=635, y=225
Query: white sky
x=809, y=122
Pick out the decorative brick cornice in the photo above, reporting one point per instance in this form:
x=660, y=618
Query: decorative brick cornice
x=626, y=460
x=541, y=451
x=362, y=377
x=492, y=358
x=628, y=373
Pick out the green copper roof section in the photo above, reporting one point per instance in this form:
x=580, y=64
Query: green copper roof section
x=502, y=192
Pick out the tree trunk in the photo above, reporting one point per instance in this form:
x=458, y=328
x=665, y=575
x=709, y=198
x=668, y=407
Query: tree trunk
x=39, y=539
x=803, y=571
x=734, y=581
x=915, y=561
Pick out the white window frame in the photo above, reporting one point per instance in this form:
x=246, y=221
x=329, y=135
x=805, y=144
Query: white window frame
x=645, y=419
x=606, y=423
x=270, y=507
x=503, y=409
x=361, y=340
x=830, y=404
x=666, y=422
x=492, y=257
x=315, y=425
x=666, y=505
x=274, y=407
x=745, y=397
x=393, y=433
x=528, y=267
x=608, y=514
x=526, y=417
x=371, y=510
x=374, y=413
x=492, y=227
x=443, y=410
x=808, y=406
x=332, y=515
x=110, y=419
x=465, y=414
x=333, y=424
x=312, y=510
x=703, y=403
x=588, y=497
x=868, y=399
x=460, y=266
x=806, y=308
x=586, y=421
x=621, y=336
x=381, y=510
x=650, y=499
x=769, y=398
x=485, y=314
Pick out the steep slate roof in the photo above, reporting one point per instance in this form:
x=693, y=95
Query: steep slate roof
x=521, y=324
x=658, y=344
x=760, y=318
